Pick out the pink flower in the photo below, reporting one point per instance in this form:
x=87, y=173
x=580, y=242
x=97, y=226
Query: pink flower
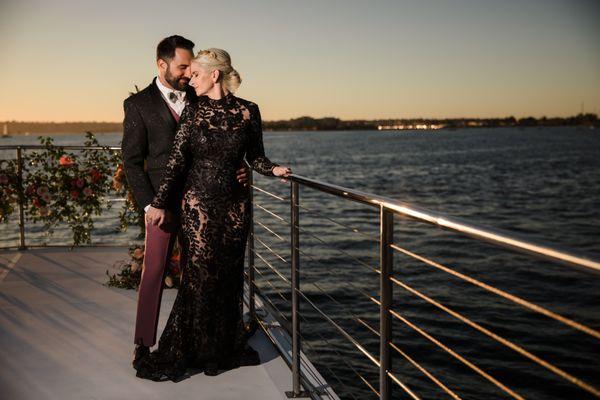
x=79, y=183
x=3, y=179
x=46, y=197
x=95, y=174
x=87, y=192
x=74, y=194
x=30, y=189
x=41, y=190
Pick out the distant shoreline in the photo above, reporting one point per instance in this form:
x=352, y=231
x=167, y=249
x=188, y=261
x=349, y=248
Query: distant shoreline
x=22, y=128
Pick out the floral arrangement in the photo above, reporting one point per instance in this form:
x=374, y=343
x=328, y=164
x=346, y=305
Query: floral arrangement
x=8, y=189
x=130, y=214
x=61, y=187
x=130, y=272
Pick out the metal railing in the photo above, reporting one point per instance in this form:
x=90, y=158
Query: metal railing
x=388, y=208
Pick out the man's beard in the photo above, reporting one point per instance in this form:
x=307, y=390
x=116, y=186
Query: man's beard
x=177, y=84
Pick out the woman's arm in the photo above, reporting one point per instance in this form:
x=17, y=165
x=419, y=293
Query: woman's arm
x=255, y=155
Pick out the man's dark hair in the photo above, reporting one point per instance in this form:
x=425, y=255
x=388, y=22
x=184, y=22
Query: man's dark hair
x=166, y=48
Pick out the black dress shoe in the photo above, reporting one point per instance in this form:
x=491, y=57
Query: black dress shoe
x=138, y=354
x=211, y=369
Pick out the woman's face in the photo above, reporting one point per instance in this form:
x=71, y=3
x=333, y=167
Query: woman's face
x=202, y=80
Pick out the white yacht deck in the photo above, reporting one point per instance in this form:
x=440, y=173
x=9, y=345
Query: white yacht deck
x=65, y=335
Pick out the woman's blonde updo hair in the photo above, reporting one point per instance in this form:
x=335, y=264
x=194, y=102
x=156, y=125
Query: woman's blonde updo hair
x=212, y=59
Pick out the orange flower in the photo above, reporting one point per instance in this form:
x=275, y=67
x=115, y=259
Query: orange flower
x=65, y=161
x=138, y=253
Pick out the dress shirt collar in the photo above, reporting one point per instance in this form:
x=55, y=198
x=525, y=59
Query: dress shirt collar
x=165, y=91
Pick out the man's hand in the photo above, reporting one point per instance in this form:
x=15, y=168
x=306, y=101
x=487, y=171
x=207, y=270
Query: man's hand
x=242, y=175
x=156, y=216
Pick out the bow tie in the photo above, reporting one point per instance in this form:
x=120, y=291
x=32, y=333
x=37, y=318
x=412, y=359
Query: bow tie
x=173, y=96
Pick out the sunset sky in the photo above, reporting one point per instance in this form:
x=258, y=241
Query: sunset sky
x=77, y=60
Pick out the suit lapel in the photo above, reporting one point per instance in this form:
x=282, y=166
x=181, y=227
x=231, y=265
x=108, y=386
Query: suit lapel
x=158, y=104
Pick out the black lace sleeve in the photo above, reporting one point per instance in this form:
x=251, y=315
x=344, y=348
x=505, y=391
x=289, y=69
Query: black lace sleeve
x=178, y=160
x=255, y=154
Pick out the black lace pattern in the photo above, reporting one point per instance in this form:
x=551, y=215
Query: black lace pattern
x=206, y=324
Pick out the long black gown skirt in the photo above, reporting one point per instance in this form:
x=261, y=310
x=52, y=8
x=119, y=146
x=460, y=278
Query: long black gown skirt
x=206, y=325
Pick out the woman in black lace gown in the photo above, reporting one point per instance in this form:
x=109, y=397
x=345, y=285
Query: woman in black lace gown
x=205, y=328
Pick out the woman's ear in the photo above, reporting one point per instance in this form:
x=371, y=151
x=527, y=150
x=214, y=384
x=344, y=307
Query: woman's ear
x=215, y=75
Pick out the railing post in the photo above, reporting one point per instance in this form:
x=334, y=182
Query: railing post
x=251, y=288
x=21, y=197
x=295, y=275
x=386, y=237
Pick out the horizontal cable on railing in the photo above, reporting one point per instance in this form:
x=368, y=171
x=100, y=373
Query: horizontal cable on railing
x=270, y=194
x=417, y=365
x=499, y=292
x=332, y=347
x=576, y=381
x=322, y=263
x=356, y=344
x=284, y=298
x=266, y=246
x=468, y=363
x=275, y=270
x=283, y=220
x=284, y=320
x=270, y=230
x=351, y=228
x=337, y=249
x=307, y=369
x=412, y=361
x=367, y=295
x=425, y=372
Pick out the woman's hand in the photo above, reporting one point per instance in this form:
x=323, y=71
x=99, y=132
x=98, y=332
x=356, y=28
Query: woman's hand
x=282, y=171
x=156, y=216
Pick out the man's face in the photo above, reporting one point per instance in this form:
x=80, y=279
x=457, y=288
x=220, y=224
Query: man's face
x=177, y=70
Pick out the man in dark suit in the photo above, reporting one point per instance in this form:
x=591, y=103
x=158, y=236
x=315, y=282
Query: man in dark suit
x=149, y=128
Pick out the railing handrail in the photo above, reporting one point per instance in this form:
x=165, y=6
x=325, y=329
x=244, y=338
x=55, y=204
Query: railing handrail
x=71, y=147
x=556, y=253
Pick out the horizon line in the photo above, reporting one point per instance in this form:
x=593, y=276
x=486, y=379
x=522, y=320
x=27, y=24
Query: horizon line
x=317, y=118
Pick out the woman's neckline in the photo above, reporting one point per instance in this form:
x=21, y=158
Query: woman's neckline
x=223, y=100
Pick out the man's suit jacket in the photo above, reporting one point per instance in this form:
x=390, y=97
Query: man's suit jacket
x=148, y=133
